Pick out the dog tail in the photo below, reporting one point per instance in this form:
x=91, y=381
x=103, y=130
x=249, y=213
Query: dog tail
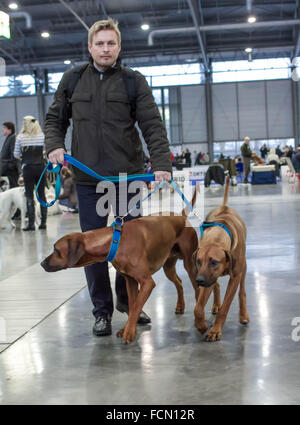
x=226, y=192
x=186, y=210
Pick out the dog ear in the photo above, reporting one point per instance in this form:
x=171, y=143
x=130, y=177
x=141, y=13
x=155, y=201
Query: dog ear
x=194, y=257
x=75, y=251
x=230, y=259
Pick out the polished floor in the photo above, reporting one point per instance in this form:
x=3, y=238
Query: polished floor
x=49, y=355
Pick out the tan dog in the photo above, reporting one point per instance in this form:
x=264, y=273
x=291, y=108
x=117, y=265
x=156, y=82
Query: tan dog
x=146, y=245
x=219, y=255
x=257, y=159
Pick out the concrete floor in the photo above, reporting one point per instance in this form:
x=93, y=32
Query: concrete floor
x=49, y=355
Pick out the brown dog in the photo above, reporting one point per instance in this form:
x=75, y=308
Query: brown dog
x=146, y=244
x=257, y=159
x=219, y=255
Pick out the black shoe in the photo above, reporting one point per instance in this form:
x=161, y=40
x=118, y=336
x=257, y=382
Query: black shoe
x=28, y=228
x=102, y=326
x=143, y=319
x=42, y=226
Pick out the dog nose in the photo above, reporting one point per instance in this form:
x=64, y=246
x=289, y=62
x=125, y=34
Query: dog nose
x=44, y=265
x=200, y=280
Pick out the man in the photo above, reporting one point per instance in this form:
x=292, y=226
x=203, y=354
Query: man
x=106, y=140
x=9, y=165
x=246, y=154
x=296, y=160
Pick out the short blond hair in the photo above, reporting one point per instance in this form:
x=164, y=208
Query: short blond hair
x=108, y=24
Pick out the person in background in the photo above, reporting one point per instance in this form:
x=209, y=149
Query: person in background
x=264, y=151
x=246, y=155
x=278, y=151
x=296, y=160
x=9, y=164
x=272, y=156
x=188, y=159
x=29, y=148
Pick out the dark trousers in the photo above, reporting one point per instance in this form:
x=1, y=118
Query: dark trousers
x=13, y=176
x=97, y=274
x=31, y=175
x=246, y=162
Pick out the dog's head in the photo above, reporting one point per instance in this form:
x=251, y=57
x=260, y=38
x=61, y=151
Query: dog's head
x=211, y=262
x=67, y=253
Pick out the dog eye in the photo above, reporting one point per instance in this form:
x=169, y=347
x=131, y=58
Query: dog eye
x=198, y=262
x=214, y=263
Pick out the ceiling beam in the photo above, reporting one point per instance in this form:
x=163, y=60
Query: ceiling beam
x=74, y=13
x=196, y=19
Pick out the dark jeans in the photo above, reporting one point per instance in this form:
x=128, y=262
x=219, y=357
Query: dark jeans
x=31, y=175
x=97, y=274
x=13, y=176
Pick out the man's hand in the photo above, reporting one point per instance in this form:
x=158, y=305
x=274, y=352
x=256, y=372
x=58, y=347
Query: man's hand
x=162, y=175
x=57, y=156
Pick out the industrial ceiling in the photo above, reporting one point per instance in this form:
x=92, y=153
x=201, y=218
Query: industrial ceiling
x=180, y=31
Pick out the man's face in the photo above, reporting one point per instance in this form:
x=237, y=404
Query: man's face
x=5, y=131
x=105, y=48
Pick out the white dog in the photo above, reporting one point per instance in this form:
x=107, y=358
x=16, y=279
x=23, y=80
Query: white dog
x=10, y=200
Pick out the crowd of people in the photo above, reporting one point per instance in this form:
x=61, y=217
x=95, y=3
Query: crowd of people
x=23, y=160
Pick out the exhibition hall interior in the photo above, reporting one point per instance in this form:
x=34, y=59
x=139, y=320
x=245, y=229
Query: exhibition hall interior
x=191, y=109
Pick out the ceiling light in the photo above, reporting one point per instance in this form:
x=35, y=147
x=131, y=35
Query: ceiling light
x=45, y=34
x=251, y=19
x=248, y=50
x=145, y=27
x=67, y=62
x=13, y=6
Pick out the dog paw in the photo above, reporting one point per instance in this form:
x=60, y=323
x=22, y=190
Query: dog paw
x=128, y=336
x=244, y=320
x=179, y=309
x=120, y=333
x=215, y=308
x=201, y=326
x=213, y=336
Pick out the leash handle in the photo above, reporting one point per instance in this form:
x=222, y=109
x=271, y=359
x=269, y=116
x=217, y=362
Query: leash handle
x=50, y=168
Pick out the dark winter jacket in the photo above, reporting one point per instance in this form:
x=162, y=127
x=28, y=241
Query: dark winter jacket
x=215, y=173
x=104, y=134
x=245, y=150
x=8, y=161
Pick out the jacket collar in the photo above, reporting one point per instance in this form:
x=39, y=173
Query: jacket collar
x=110, y=70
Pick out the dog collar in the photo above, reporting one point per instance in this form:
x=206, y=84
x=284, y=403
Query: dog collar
x=207, y=224
x=117, y=230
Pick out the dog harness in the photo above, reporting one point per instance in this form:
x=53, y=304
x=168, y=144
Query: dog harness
x=207, y=224
x=117, y=230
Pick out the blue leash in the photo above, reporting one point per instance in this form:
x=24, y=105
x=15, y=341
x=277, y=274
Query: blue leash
x=87, y=170
x=117, y=224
